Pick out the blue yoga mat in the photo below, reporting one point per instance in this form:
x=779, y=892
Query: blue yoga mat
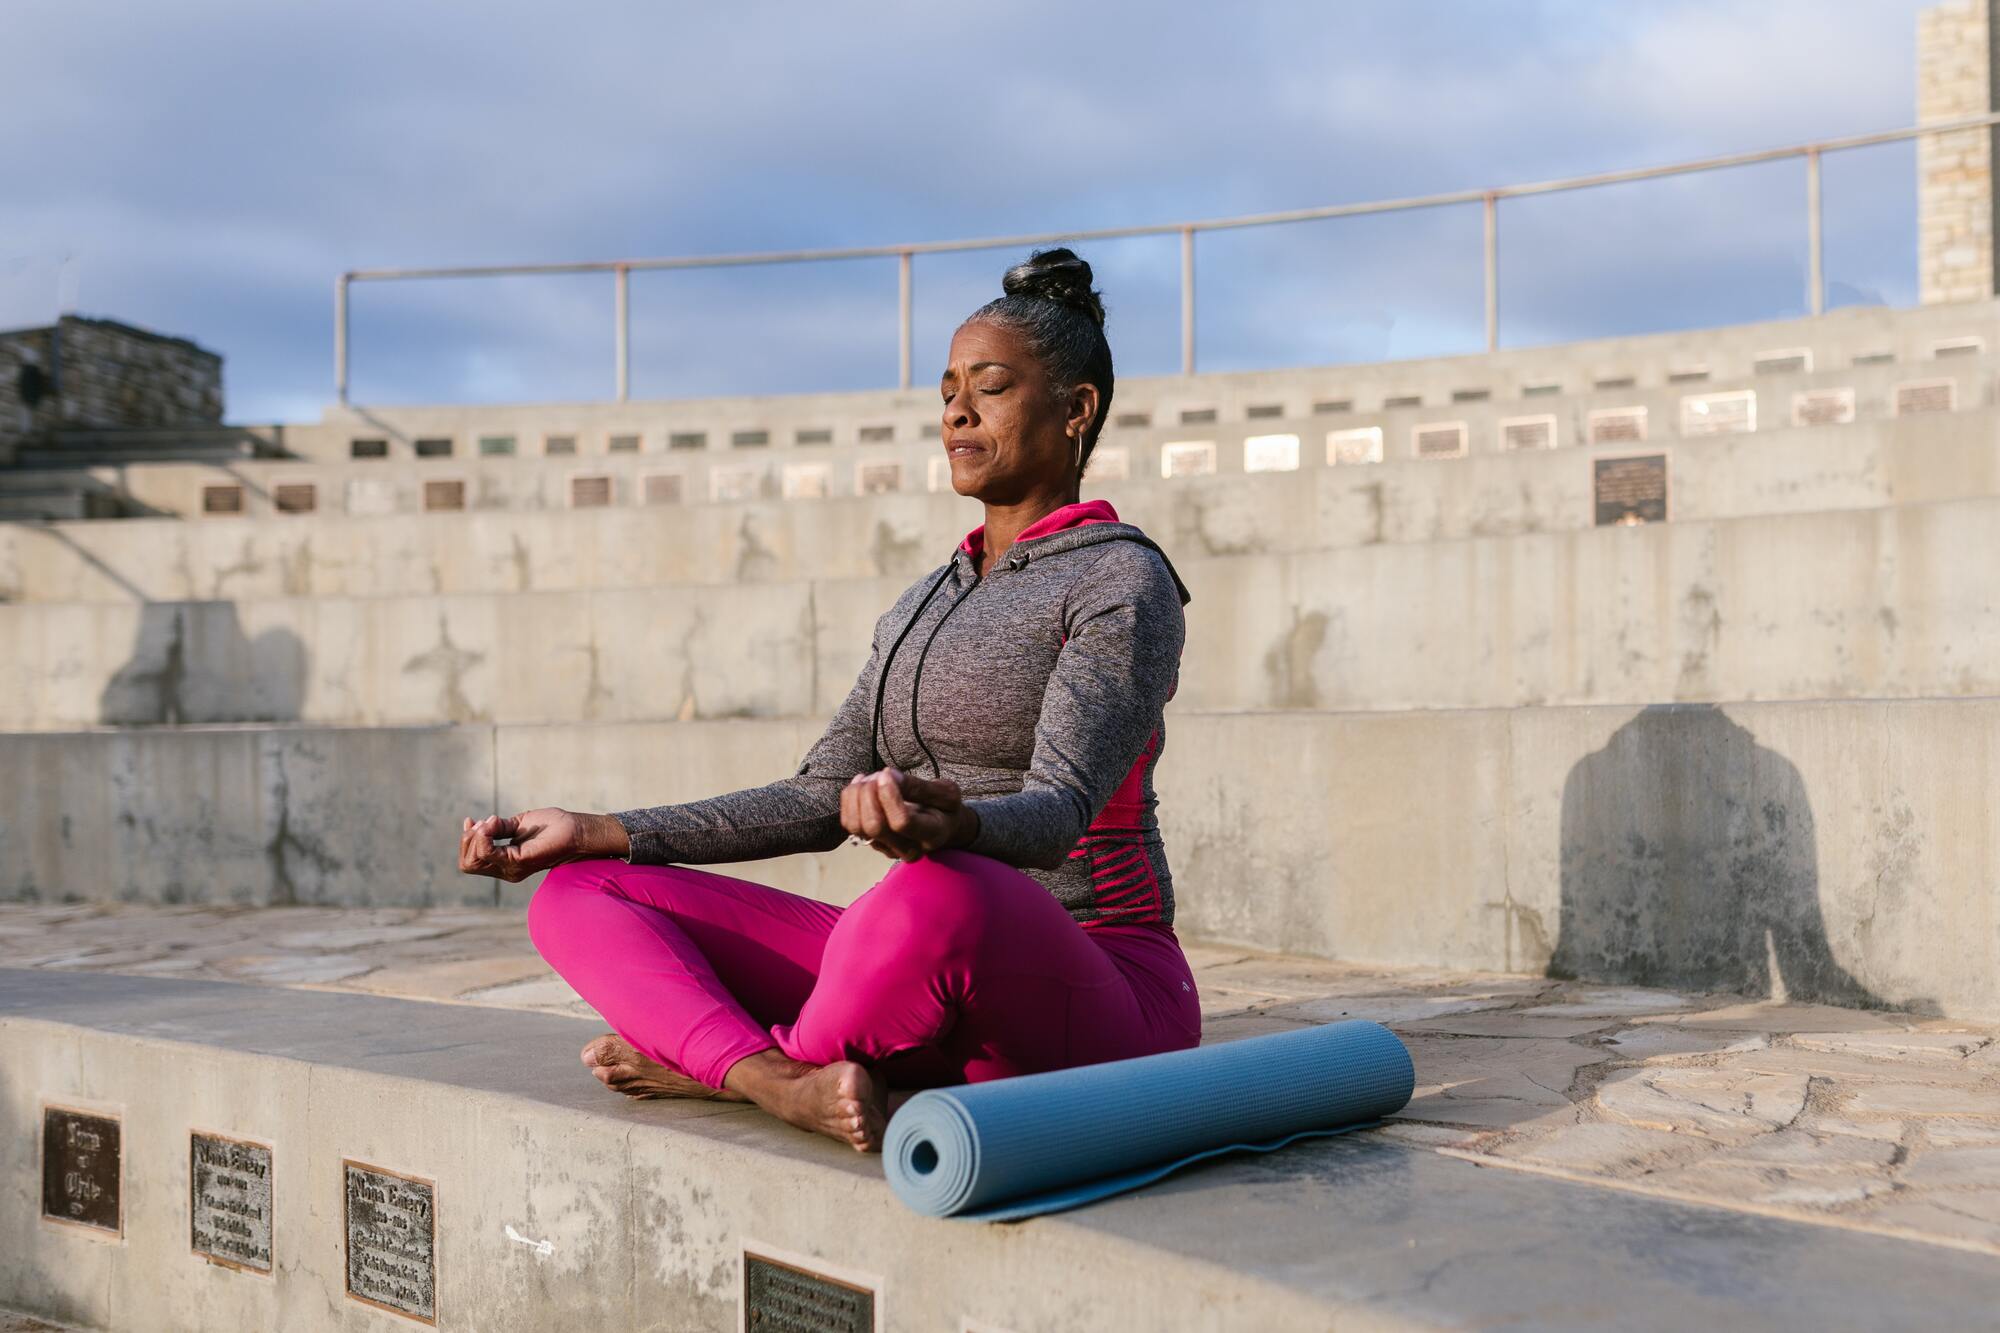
x=1039, y=1143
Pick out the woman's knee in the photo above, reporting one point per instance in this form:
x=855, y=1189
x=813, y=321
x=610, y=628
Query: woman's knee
x=940, y=891
x=562, y=890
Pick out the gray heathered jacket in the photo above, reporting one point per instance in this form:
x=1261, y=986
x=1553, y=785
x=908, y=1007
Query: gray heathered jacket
x=1039, y=689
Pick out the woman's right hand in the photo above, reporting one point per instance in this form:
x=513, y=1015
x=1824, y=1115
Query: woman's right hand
x=537, y=839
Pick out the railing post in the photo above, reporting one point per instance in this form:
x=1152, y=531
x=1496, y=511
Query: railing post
x=623, y=274
x=340, y=338
x=1815, y=251
x=1187, y=300
x=1492, y=272
x=903, y=320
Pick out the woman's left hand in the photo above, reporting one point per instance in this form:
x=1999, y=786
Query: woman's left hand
x=904, y=816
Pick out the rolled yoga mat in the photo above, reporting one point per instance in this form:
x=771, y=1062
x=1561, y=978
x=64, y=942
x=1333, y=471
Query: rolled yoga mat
x=1039, y=1143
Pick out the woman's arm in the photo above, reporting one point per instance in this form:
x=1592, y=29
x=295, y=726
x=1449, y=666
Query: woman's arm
x=1117, y=669
x=800, y=813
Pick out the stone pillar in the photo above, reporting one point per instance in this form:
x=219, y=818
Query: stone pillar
x=1956, y=78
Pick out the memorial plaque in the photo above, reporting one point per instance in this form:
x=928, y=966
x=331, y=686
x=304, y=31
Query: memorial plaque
x=1823, y=407
x=1187, y=458
x=1528, y=433
x=1926, y=396
x=1630, y=490
x=80, y=1175
x=1618, y=425
x=1719, y=413
x=229, y=1201
x=1363, y=445
x=781, y=1298
x=391, y=1225
x=1271, y=453
x=1444, y=439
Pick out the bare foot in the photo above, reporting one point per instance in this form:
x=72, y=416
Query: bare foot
x=842, y=1100
x=622, y=1069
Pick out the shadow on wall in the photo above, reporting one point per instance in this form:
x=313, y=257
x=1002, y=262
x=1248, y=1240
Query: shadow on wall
x=1689, y=860
x=193, y=663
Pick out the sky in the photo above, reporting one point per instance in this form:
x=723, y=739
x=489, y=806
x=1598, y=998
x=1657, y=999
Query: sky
x=207, y=167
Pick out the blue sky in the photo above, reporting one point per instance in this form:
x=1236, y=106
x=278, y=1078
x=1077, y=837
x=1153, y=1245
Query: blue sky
x=207, y=167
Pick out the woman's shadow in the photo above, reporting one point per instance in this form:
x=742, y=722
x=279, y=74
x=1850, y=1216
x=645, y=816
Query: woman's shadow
x=1689, y=860
x=191, y=662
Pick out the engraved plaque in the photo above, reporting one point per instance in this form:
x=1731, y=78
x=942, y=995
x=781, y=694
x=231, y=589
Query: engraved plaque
x=391, y=1240
x=880, y=478
x=1528, y=433
x=1363, y=445
x=1618, y=425
x=1630, y=490
x=1719, y=413
x=1444, y=439
x=1823, y=407
x=730, y=483
x=779, y=1298
x=80, y=1174
x=229, y=1201
x=1925, y=396
x=1271, y=453
x=589, y=492
x=1187, y=458
x=808, y=481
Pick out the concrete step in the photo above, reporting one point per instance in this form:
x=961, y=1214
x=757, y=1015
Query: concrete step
x=1851, y=345
x=1831, y=851
x=550, y=1205
x=1891, y=602
x=551, y=548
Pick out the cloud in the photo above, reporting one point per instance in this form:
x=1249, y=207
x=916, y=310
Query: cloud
x=213, y=164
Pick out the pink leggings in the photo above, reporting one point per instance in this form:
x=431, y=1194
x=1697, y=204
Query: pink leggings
x=952, y=969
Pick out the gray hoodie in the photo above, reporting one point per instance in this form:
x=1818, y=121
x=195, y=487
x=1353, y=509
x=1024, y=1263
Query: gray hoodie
x=1039, y=689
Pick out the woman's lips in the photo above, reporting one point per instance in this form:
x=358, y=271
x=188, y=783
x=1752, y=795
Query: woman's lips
x=957, y=450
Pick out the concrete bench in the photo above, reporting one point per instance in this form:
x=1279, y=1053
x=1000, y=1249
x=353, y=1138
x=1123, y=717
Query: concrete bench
x=555, y=1205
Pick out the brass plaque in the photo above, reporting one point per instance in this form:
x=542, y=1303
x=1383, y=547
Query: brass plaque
x=391, y=1225
x=1630, y=490
x=229, y=1201
x=80, y=1168
x=779, y=1298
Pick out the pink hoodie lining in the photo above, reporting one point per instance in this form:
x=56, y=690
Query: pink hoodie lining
x=1069, y=516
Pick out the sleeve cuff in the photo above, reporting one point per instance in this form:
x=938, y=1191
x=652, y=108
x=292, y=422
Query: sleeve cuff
x=645, y=847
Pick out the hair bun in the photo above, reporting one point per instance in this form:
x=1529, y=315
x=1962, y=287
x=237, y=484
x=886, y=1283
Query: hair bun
x=1056, y=275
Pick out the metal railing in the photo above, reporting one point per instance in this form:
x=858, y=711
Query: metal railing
x=1489, y=200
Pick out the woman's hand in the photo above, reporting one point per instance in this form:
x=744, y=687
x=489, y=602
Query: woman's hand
x=537, y=839
x=906, y=817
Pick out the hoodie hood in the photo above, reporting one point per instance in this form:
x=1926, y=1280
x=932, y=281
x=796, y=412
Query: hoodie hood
x=1069, y=528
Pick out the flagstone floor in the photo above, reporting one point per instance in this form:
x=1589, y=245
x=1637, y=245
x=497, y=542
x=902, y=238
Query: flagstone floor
x=1871, y=1120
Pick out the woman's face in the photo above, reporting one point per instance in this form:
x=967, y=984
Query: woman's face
x=1005, y=434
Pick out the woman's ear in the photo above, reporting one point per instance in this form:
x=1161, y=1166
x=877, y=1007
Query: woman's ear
x=1082, y=408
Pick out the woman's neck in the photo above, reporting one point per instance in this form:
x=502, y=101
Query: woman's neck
x=1006, y=522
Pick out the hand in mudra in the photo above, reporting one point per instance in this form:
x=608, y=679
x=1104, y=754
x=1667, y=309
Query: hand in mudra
x=538, y=839
x=904, y=816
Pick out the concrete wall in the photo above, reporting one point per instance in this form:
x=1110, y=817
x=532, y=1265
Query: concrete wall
x=1955, y=81
x=1867, y=463
x=1838, y=851
x=1836, y=340
x=1960, y=380
x=1892, y=602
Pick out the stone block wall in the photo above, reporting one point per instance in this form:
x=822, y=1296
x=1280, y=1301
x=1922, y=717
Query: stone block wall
x=1955, y=79
x=97, y=374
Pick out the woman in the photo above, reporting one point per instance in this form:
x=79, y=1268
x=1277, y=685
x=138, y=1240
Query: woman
x=999, y=746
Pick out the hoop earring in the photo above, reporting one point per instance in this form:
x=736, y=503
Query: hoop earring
x=1079, y=452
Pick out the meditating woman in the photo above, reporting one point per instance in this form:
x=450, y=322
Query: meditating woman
x=999, y=746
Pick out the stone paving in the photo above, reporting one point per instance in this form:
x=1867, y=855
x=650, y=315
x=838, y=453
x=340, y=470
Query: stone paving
x=1870, y=1120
